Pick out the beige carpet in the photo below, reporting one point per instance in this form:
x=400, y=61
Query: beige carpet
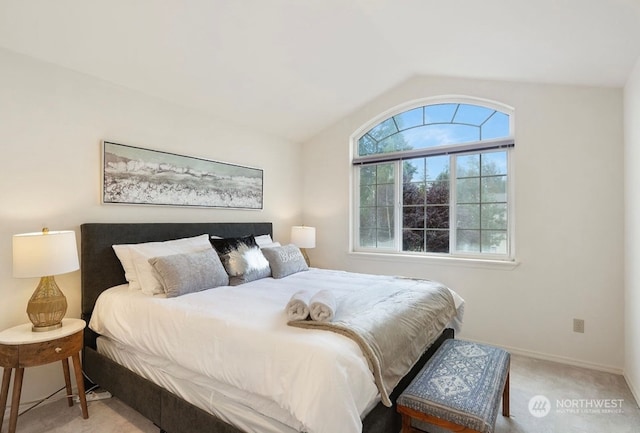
x=575, y=400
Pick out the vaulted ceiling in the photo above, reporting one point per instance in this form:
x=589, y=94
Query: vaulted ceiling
x=293, y=67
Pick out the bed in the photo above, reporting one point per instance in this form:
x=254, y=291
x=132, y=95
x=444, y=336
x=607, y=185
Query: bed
x=155, y=396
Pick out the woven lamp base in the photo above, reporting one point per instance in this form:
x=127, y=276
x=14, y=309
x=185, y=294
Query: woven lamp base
x=47, y=306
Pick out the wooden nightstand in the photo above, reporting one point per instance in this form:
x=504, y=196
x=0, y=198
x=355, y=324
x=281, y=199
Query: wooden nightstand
x=20, y=348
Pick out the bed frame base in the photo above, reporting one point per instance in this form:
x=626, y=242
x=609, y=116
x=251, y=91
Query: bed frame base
x=169, y=412
x=172, y=414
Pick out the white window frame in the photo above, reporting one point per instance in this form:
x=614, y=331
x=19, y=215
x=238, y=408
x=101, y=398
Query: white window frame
x=460, y=149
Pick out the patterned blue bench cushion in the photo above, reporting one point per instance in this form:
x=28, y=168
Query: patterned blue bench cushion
x=462, y=383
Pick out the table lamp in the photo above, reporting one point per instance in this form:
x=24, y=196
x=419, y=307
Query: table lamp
x=304, y=237
x=45, y=254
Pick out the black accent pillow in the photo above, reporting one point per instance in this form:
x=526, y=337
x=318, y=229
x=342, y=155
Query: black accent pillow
x=242, y=259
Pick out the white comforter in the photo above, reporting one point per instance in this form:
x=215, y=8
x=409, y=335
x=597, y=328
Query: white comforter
x=239, y=336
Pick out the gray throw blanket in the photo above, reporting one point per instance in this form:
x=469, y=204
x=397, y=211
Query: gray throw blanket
x=393, y=324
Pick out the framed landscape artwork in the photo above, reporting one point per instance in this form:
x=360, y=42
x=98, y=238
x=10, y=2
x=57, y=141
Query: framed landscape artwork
x=133, y=175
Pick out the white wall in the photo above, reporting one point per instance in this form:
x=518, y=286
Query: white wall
x=632, y=227
x=569, y=220
x=52, y=122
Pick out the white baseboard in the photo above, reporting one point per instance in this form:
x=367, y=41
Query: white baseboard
x=554, y=358
x=634, y=391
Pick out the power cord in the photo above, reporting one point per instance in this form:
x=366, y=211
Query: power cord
x=38, y=403
x=87, y=392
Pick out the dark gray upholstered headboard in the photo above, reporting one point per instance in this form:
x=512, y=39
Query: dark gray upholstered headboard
x=101, y=269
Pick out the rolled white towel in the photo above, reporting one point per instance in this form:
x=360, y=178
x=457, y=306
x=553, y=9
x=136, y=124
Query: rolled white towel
x=298, y=306
x=322, y=306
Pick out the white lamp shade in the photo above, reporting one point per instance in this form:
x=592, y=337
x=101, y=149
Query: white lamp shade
x=303, y=236
x=43, y=254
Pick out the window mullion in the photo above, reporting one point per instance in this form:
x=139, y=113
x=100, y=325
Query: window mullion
x=510, y=205
x=480, y=173
x=398, y=206
x=355, y=219
x=453, y=208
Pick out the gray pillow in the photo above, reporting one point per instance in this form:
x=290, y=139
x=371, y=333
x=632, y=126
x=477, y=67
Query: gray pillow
x=285, y=260
x=191, y=272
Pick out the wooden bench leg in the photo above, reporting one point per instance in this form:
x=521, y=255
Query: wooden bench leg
x=505, y=397
x=406, y=424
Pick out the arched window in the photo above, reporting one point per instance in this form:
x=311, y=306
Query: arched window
x=435, y=179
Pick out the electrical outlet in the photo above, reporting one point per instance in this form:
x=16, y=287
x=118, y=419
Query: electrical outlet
x=578, y=325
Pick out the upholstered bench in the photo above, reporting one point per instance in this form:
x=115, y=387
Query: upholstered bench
x=459, y=389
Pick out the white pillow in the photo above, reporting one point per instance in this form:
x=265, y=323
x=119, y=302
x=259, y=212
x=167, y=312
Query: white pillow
x=122, y=251
x=139, y=254
x=271, y=245
x=263, y=240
